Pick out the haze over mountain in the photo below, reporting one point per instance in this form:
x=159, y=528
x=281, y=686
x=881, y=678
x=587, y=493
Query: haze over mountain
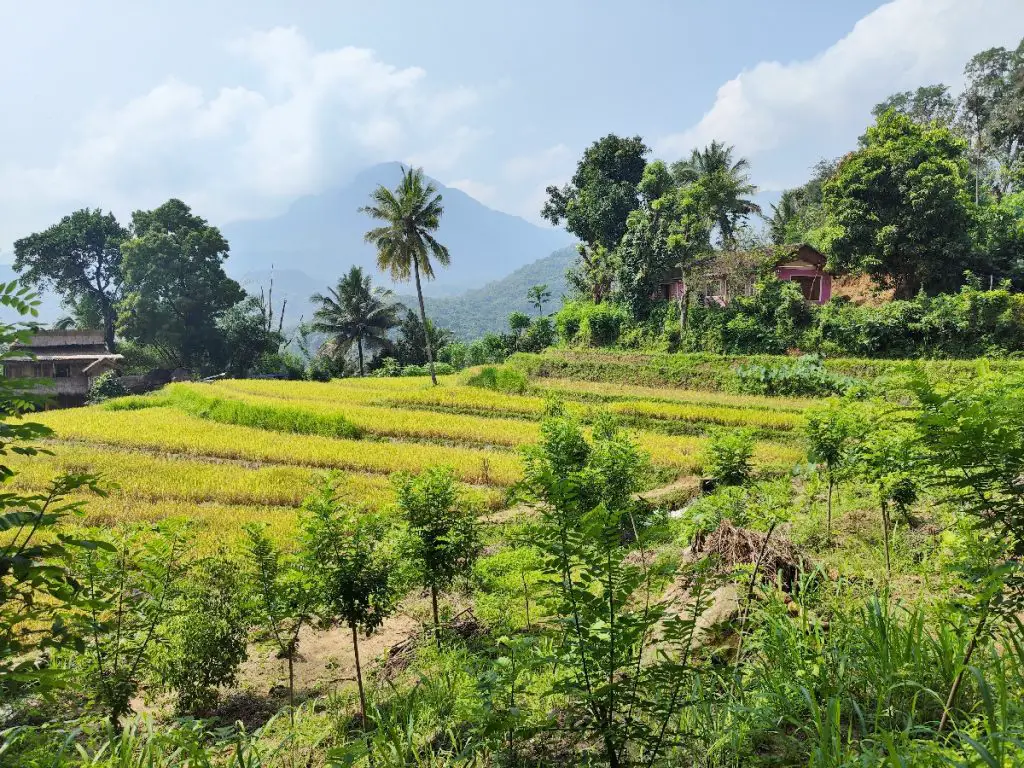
x=322, y=236
x=307, y=248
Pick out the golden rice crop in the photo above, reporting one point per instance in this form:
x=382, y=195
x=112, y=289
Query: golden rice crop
x=685, y=452
x=169, y=430
x=635, y=391
x=214, y=525
x=488, y=401
x=143, y=476
x=712, y=414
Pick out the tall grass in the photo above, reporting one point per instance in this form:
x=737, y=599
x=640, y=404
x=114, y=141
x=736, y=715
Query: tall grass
x=271, y=416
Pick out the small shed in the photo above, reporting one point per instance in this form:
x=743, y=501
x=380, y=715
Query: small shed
x=68, y=361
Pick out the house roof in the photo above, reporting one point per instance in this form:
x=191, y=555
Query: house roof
x=62, y=338
x=64, y=357
x=798, y=252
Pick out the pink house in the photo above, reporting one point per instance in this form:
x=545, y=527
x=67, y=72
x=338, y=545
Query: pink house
x=798, y=263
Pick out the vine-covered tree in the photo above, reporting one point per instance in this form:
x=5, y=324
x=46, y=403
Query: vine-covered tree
x=405, y=243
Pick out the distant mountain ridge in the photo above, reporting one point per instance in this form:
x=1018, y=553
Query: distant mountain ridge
x=495, y=257
x=322, y=235
x=486, y=310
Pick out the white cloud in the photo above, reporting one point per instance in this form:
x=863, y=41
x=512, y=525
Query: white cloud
x=815, y=108
x=245, y=151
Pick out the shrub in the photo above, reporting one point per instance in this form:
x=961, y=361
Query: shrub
x=539, y=336
x=501, y=378
x=568, y=321
x=104, y=387
x=207, y=638
x=727, y=456
x=602, y=324
x=803, y=376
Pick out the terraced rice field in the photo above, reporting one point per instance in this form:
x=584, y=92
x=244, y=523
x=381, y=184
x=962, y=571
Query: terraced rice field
x=238, y=451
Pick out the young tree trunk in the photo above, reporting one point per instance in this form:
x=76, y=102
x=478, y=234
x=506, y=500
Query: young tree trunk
x=958, y=680
x=423, y=319
x=359, y=676
x=359, y=346
x=437, y=621
x=885, y=537
x=828, y=515
x=291, y=687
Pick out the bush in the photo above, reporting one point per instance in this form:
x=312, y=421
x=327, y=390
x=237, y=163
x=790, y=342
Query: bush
x=501, y=378
x=207, y=638
x=568, y=320
x=104, y=387
x=727, y=456
x=538, y=337
x=804, y=376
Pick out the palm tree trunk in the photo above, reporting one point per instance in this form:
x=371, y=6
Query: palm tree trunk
x=359, y=346
x=423, y=319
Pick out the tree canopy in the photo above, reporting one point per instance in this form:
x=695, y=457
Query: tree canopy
x=900, y=207
x=79, y=258
x=175, y=287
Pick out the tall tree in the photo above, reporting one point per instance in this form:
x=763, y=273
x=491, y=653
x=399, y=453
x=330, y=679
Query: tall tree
x=993, y=118
x=927, y=104
x=899, y=209
x=405, y=243
x=798, y=216
x=595, y=207
x=175, y=287
x=727, y=184
x=79, y=258
x=356, y=312
x=670, y=230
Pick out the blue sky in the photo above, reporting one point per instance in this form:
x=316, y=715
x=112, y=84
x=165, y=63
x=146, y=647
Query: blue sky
x=239, y=106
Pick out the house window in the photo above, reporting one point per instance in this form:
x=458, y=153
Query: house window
x=62, y=372
x=666, y=291
x=810, y=286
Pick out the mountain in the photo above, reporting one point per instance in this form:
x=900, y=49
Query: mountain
x=486, y=309
x=322, y=236
x=469, y=315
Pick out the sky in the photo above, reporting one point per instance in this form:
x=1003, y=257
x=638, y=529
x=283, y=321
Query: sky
x=239, y=107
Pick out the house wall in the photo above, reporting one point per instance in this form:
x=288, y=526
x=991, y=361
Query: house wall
x=788, y=273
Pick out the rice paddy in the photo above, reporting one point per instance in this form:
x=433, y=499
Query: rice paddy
x=238, y=451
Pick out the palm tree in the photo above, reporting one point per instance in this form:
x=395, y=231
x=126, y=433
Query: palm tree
x=405, y=244
x=727, y=183
x=537, y=295
x=354, y=312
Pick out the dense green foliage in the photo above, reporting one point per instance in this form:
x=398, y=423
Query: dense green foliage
x=355, y=312
x=79, y=258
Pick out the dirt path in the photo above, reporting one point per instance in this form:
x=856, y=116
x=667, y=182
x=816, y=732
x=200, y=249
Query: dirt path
x=326, y=661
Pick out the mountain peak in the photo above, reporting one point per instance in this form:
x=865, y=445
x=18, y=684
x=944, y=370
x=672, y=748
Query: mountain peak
x=322, y=235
